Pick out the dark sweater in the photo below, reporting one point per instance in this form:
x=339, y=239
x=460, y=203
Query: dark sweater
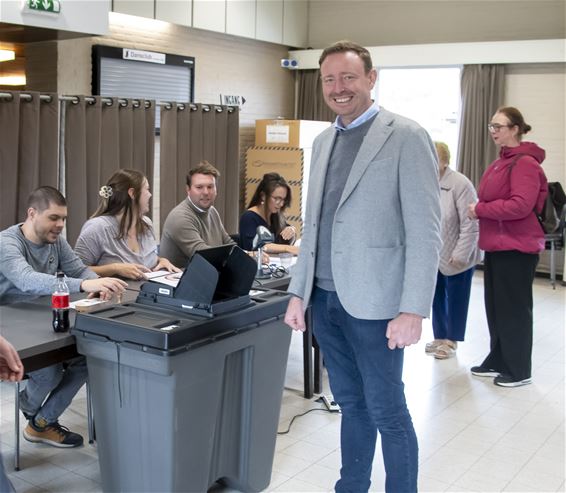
x=346, y=147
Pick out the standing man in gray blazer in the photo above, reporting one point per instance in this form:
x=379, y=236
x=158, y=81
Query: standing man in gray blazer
x=367, y=264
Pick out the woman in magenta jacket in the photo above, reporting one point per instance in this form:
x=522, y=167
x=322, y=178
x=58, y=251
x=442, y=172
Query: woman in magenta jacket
x=511, y=192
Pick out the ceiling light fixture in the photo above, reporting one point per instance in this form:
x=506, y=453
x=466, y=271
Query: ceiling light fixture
x=13, y=80
x=6, y=55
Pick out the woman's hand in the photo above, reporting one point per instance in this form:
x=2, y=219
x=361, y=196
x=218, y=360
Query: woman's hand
x=131, y=271
x=472, y=211
x=288, y=233
x=456, y=263
x=163, y=263
x=104, y=287
x=264, y=255
x=292, y=249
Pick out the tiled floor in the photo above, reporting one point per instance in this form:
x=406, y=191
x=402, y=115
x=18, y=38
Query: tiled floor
x=473, y=436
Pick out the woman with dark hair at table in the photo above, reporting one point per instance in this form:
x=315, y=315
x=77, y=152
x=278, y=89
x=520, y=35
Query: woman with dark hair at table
x=266, y=208
x=118, y=240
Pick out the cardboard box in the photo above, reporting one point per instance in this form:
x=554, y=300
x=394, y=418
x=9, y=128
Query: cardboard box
x=288, y=133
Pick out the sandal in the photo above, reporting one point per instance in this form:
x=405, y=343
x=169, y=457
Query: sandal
x=431, y=347
x=446, y=350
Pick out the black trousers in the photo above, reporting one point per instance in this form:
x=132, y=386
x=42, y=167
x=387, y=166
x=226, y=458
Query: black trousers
x=508, y=292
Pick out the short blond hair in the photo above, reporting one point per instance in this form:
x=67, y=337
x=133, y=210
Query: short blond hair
x=442, y=151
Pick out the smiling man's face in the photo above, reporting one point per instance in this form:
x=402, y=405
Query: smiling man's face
x=46, y=226
x=346, y=86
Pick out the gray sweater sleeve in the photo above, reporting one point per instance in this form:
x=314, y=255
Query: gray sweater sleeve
x=25, y=277
x=88, y=246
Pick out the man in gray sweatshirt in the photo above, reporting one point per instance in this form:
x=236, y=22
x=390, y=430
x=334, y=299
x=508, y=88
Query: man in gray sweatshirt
x=31, y=254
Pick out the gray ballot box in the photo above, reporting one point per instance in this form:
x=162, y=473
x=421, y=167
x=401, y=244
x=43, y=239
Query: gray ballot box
x=182, y=401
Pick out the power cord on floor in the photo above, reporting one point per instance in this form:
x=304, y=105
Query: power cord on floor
x=325, y=409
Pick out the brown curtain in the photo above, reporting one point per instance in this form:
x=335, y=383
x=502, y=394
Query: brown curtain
x=29, y=141
x=190, y=134
x=483, y=91
x=100, y=137
x=311, y=105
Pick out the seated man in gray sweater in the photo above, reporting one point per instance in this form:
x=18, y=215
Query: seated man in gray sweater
x=194, y=224
x=31, y=254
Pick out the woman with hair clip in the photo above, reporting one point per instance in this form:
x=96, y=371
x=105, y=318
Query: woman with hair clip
x=266, y=208
x=511, y=194
x=118, y=239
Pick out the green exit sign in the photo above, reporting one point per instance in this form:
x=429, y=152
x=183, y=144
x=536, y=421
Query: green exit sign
x=52, y=6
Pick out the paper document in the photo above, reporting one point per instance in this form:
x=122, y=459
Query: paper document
x=157, y=273
x=168, y=278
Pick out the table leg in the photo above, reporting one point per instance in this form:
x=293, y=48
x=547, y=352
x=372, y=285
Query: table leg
x=317, y=367
x=308, y=377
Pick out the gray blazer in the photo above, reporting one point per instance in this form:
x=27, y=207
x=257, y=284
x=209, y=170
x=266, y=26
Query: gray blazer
x=386, y=231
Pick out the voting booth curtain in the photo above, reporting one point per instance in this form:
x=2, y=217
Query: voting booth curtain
x=483, y=91
x=310, y=104
x=102, y=135
x=191, y=133
x=29, y=137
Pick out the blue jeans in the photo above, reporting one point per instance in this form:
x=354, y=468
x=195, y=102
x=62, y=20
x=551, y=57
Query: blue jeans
x=366, y=381
x=49, y=391
x=450, y=305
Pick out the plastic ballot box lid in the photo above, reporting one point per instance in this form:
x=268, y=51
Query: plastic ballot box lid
x=215, y=280
x=165, y=329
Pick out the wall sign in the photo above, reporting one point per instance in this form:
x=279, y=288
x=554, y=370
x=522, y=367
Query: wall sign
x=229, y=100
x=144, y=56
x=46, y=6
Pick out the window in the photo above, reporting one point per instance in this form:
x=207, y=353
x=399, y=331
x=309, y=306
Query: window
x=430, y=96
x=117, y=74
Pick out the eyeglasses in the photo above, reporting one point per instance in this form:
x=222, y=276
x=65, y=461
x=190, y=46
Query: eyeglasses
x=278, y=200
x=496, y=127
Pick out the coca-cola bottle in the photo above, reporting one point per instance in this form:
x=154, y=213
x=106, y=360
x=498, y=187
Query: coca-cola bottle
x=60, y=304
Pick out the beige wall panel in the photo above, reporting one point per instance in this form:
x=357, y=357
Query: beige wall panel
x=269, y=20
x=295, y=23
x=539, y=92
x=141, y=8
x=176, y=11
x=240, y=18
x=210, y=15
x=398, y=22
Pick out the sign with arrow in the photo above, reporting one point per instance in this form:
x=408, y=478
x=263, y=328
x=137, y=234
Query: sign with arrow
x=228, y=100
x=48, y=6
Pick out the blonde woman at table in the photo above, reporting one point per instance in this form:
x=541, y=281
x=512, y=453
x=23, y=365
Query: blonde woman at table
x=118, y=240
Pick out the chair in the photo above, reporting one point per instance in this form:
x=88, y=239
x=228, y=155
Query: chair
x=17, y=421
x=556, y=242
